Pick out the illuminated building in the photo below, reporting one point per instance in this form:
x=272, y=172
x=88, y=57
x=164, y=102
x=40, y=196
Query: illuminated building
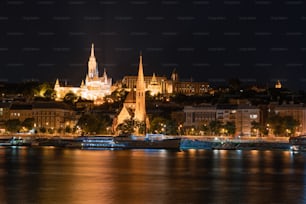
x=242, y=115
x=4, y=115
x=134, y=106
x=154, y=87
x=154, y=84
x=94, y=88
x=191, y=88
x=296, y=111
x=162, y=85
x=52, y=116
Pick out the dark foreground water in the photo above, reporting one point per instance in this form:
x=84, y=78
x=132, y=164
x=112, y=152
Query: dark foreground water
x=50, y=175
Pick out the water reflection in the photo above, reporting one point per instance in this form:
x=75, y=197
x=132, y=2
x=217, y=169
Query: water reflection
x=50, y=175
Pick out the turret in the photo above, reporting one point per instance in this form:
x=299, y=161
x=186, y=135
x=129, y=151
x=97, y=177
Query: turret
x=153, y=80
x=82, y=84
x=105, y=76
x=92, y=64
x=57, y=84
x=174, y=75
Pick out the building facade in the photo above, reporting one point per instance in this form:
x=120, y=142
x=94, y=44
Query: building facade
x=241, y=115
x=297, y=111
x=154, y=84
x=93, y=88
x=160, y=84
x=52, y=116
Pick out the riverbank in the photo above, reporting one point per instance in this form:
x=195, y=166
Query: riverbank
x=187, y=142
x=234, y=145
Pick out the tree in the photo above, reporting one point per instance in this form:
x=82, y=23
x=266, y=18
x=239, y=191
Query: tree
x=157, y=124
x=141, y=127
x=28, y=89
x=164, y=126
x=259, y=128
x=93, y=123
x=28, y=123
x=60, y=130
x=215, y=126
x=70, y=98
x=283, y=125
x=230, y=127
x=42, y=130
x=275, y=122
x=50, y=130
x=44, y=90
x=68, y=129
x=127, y=127
x=234, y=84
x=88, y=123
x=50, y=94
x=104, y=122
x=290, y=125
x=171, y=127
x=13, y=125
x=204, y=127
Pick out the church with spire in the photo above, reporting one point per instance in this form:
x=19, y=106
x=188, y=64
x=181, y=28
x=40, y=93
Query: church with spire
x=93, y=88
x=134, y=106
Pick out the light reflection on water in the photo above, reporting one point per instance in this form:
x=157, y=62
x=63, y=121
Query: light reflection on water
x=51, y=175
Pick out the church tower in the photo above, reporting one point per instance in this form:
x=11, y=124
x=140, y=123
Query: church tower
x=174, y=76
x=140, y=106
x=92, y=65
x=278, y=85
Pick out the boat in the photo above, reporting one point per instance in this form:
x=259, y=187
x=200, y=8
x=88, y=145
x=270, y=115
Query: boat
x=125, y=142
x=149, y=141
x=298, y=143
x=14, y=141
x=95, y=142
x=225, y=146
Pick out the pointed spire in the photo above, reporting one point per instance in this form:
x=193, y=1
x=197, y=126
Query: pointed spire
x=105, y=76
x=92, y=54
x=57, y=84
x=140, y=106
x=92, y=64
x=82, y=84
x=174, y=75
x=140, y=70
x=153, y=80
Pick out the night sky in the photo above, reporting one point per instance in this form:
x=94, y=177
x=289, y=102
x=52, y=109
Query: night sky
x=256, y=41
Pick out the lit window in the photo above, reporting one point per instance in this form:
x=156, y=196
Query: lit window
x=253, y=116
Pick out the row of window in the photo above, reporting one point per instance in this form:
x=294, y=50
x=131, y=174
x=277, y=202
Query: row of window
x=47, y=113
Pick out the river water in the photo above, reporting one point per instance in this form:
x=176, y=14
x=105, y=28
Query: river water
x=54, y=175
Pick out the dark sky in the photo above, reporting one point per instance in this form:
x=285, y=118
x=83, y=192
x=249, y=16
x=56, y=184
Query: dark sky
x=258, y=41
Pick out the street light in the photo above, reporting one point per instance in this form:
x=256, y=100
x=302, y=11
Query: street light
x=180, y=129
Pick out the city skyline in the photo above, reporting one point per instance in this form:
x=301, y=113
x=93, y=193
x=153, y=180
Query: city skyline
x=259, y=42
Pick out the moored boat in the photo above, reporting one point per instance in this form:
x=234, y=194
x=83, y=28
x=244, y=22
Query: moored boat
x=15, y=141
x=125, y=142
x=149, y=142
x=298, y=143
x=95, y=142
